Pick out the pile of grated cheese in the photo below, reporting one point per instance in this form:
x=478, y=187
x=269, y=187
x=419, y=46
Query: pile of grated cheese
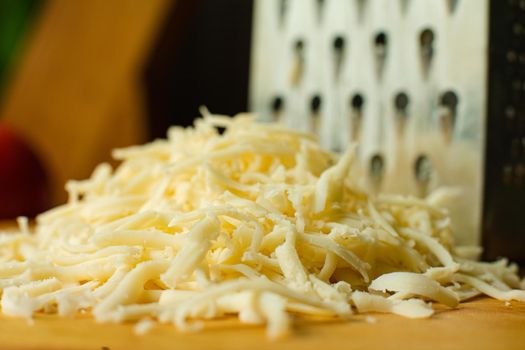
x=258, y=222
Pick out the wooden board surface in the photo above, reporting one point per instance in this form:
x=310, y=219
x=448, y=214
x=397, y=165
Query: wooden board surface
x=479, y=324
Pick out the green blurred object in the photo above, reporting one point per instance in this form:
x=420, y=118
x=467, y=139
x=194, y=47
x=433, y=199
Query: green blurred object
x=16, y=17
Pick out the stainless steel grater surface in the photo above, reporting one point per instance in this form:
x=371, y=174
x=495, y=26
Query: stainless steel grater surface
x=430, y=88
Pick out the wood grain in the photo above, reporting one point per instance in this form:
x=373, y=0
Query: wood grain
x=480, y=324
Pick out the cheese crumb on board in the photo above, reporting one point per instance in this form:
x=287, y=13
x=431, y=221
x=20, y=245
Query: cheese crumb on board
x=258, y=221
x=144, y=326
x=371, y=319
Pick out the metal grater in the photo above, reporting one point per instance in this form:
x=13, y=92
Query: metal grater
x=431, y=89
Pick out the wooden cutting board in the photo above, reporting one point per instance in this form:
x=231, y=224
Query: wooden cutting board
x=479, y=324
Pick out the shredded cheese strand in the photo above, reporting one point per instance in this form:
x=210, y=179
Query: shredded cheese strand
x=257, y=221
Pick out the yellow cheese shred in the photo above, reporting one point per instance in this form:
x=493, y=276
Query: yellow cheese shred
x=256, y=221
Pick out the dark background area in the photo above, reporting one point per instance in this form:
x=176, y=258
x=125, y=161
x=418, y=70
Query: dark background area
x=201, y=57
x=16, y=17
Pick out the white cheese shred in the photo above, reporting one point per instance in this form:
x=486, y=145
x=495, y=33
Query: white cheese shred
x=257, y=221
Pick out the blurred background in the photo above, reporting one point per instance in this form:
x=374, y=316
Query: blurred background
x=79, y=78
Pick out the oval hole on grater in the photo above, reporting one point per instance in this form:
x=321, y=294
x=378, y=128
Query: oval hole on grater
x=401, y=102
x=277, y=107
x=315, y=111
x=298, y=64
x=357, y=102
x=423, y=173
x=452, y=5
x=426, y=50
x=380, y=52
x=338, y=46
x=376, y=169
x=448, y=103
x=282, y=12
x=320, y=10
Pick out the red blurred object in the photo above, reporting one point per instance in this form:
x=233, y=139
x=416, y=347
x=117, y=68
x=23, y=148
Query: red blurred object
x=24, y=186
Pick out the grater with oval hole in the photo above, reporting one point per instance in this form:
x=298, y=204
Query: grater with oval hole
x=433, y=91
